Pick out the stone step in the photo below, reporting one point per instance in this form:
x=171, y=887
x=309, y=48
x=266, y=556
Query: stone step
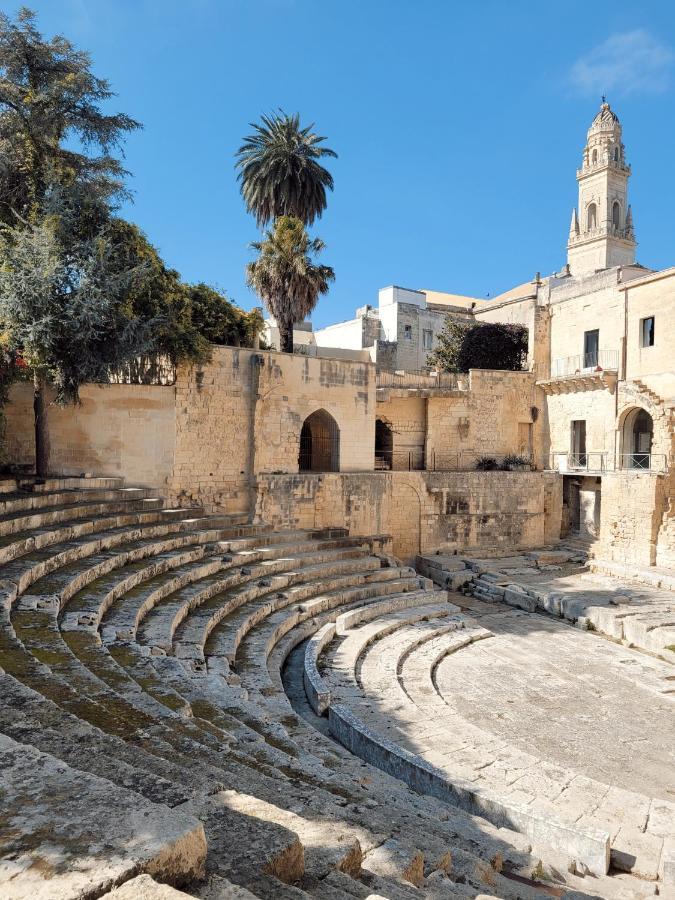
x=252, y=664
x=72, y=565
x=16, y=524
x=125, y=603
x=224, y=641
x=143, y=887
x=232, y=613
x=384, y=735
x=23, y=502
x=68, y=834
x=196, y=621
x=29, y=718
x=18, y=545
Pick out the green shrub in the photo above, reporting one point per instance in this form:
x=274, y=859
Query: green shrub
x=487, y=464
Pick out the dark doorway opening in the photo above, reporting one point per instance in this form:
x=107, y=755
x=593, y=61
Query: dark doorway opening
x=319, y=444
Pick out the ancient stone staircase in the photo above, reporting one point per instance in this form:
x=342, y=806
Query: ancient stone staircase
x=144, y=724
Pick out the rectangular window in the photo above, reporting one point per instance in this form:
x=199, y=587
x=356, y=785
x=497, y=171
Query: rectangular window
x=591, y=344
x=427, y=339
x=407, y=332
x=647, y=332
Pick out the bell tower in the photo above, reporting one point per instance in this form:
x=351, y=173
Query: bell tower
x=601, y=231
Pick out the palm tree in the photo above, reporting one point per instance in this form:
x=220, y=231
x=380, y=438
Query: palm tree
x=285, y=277
x=279, y=172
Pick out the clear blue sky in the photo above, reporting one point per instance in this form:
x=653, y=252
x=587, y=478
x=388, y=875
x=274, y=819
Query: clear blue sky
x=458, y=127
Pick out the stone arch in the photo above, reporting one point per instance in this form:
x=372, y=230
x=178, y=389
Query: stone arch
x=636, y=430
x=594, y=157
x=591, y=217
x=319, y=443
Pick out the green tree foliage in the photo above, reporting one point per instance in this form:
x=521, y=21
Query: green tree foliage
x=53, y=132
x=220, y=321
x=279, y=170
x=285, y=276
x=445, y=357
x=493, y=345
x=464, y=345
x=154, y=293
x=62, y=311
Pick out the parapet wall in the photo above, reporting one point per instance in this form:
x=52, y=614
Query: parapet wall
x=423, y=511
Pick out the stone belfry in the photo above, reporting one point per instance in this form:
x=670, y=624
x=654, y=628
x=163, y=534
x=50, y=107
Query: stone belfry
x=601, y=232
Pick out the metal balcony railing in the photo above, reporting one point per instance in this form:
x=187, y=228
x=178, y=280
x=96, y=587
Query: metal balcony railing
x=643, y=462
x=598, y=461
x=594, y=461
x=586, y=364
x=399, y=460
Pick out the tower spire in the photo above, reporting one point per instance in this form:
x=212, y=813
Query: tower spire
x=601, y=232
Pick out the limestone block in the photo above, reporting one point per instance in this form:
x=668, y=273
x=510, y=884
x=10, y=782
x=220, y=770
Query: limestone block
x=145, y=888
x=394, y=860
x=68, y=834
x=643, y=857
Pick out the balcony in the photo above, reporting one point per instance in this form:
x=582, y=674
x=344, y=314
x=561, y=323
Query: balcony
x=597, y=462
x=586, y=371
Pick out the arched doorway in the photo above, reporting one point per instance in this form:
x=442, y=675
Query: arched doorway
x=319, y=443
x=637, y=439
x=384, y=445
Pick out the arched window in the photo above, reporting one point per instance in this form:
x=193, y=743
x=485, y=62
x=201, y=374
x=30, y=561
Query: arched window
x=616, y=215
x=592, y=217
x=637, y=439
x=319, y=443
x=594, y=157
x=616, y=154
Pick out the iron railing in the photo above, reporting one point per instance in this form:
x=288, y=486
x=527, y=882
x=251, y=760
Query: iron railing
x=593, y=461
x=454, y=381
x=599, y=461
x=448, y=461
x=643, y=462
x=586, y=363
x=400, y=460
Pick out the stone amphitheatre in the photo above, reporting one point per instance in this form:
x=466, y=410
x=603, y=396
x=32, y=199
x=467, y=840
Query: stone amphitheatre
x=269, y=632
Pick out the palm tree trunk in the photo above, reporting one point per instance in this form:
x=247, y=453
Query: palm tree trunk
x=286, y=337
x=41, y=425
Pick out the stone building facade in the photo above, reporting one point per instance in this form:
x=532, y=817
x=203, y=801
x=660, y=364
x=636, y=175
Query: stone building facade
x=291, y=440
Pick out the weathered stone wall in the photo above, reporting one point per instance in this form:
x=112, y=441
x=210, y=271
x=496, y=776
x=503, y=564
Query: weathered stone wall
x=116, y=429
x=423, y=511
x=242, y=413
x=494, y=418
x=633, y=507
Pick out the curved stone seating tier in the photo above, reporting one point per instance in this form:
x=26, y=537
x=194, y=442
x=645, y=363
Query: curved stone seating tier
x=268, y=577
x=169, y=768
x=385, y=677
x=146, y=588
